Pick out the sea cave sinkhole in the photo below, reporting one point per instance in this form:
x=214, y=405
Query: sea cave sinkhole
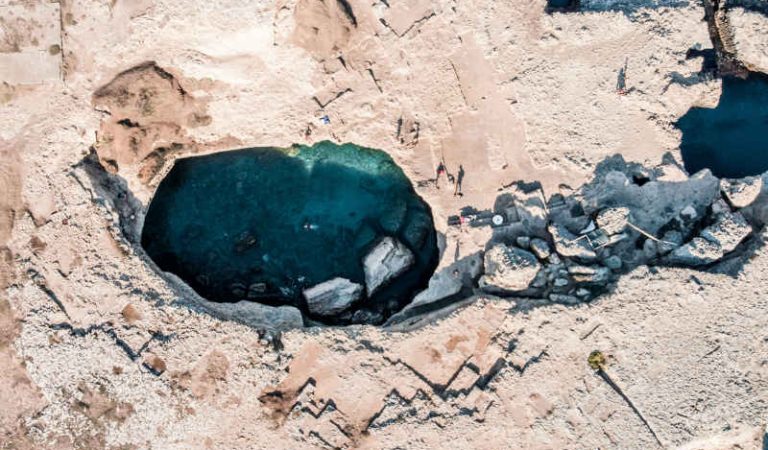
x=731, y=139
x=265, y=224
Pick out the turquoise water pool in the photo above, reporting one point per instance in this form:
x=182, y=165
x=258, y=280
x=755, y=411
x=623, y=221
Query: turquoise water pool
x=263, y=224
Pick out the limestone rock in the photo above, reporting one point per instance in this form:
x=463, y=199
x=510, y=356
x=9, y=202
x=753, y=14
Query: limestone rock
x=671, y=240
x=388, y=260
x=540, y=248
x=564, y=299
x=741, y=193
x=524, y=204
x=650, y=249
x=747, y=27
x=589, y=274
x=567, y=245
x=366, y=316
x=441, y=285
x=417, y=229
x=541, y=279
x=394, y=217
x=613, y=220
x=728, y=231
x=258, y=315
x=332, y=297
x=714, y=242
x=697, y=252
x=508, y=269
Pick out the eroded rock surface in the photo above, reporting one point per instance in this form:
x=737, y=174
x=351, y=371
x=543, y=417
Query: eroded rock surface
x=748, y=28
x=332, y=297
x=385, y=262
x=508, y=269
x=149, y=113
x=741, y=193
x=569, y=245
x=507, y=89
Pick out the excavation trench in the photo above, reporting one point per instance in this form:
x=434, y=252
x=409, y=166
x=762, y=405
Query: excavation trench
x=267, y=225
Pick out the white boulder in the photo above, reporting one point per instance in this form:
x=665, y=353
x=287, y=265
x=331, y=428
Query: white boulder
x=332, y=297
x=569, y=246
x=741, y=193
x=697, y=252
x=728, y=231
x=389, y=259
x=540, y=248
x=508, y=269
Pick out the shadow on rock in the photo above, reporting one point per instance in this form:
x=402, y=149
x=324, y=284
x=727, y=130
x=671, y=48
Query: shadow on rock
x=576, y=244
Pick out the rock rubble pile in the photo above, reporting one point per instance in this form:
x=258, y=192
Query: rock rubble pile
x=573, y=247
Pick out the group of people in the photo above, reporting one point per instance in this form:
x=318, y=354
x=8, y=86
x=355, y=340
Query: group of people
x=456, y=181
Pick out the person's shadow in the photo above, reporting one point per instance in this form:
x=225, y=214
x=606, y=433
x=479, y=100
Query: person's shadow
x=459, y=181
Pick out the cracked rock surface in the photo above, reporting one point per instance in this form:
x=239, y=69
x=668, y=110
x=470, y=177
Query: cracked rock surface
x=98, y=350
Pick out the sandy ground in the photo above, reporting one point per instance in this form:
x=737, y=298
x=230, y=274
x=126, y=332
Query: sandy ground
x=98, y=351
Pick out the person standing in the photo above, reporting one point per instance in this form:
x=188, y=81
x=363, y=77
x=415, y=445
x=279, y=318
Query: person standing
x=440, y=171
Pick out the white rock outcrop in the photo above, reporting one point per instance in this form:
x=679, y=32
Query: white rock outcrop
x=540, y=248
x=567, y=244
x=749, y=29
x=389, y=259
x=714, y=242
x=332, y=297
x=258, y=315
x=508, y=269
x=741, y=193
x=728, y=231
x=697, y=252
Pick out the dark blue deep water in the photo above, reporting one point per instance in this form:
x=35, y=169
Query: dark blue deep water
x=288, y=219
x=732, y=139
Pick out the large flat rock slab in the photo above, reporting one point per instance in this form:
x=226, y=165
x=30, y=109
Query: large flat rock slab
x=388, y=260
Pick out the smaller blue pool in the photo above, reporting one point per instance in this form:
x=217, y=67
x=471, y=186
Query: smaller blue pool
x=732, y=139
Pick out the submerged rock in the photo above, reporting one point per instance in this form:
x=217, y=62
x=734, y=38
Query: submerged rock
x=332, y=297
x=417, y=229
x=508, y=269
x=393, y=218
x=388, y=260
